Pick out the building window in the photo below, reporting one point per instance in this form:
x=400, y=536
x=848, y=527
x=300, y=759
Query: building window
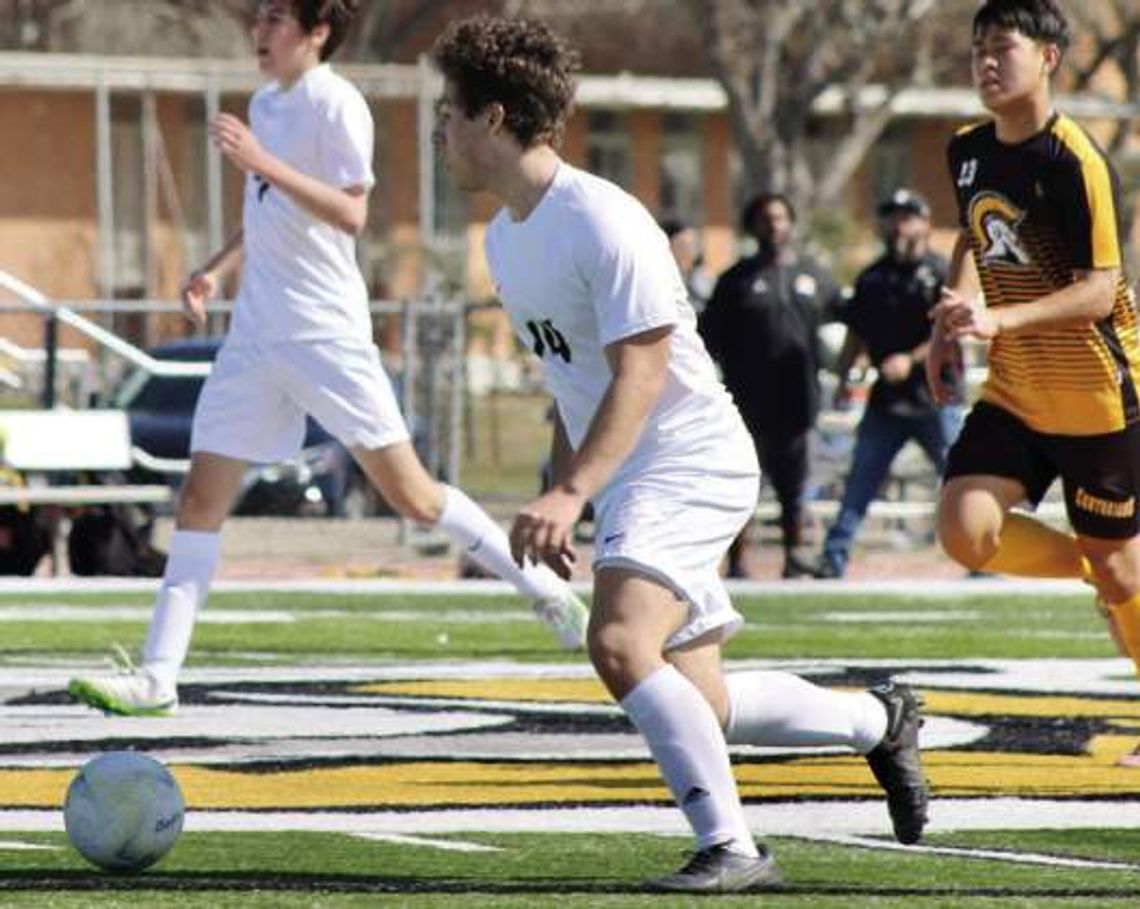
x=682, y=189
x=608, y=152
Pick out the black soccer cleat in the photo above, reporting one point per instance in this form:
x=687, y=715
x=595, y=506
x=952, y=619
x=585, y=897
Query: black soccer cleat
x=718, y=869
x=897, y=763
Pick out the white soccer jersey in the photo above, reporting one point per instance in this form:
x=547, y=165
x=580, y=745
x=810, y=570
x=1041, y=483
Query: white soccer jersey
x=300, y=280
x=588, y=267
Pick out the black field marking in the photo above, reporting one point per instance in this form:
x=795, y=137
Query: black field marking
x=17, y=881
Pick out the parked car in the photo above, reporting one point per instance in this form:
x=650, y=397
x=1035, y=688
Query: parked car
x=323, y=479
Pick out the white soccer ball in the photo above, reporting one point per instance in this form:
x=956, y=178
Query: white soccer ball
x=123, y=811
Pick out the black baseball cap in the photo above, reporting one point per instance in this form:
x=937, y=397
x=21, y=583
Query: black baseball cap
x=903, y=199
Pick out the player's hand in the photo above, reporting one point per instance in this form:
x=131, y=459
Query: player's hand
x=197, y=290
x=896, y=368
x=237, y=142
x=956, y=317
x=543, y=531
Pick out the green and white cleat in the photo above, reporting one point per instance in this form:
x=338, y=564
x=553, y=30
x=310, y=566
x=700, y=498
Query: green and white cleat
x=567, y=617
x=126, y=692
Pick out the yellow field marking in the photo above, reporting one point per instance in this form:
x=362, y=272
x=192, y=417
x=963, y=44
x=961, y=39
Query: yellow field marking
x=971, y=703
x=471, y=783
x=591, y=691
x=553, y=690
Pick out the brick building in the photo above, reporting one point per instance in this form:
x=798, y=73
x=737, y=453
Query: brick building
x=111, y=190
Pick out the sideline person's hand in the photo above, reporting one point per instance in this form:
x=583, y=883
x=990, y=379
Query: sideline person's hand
x=896, y=368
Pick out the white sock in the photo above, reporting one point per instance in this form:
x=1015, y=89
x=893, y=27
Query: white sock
x=686, y=742
x=471, y=527
x=190, y=568
x=778, y=708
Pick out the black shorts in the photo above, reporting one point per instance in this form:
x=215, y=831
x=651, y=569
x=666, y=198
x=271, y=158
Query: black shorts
x=1100, y=474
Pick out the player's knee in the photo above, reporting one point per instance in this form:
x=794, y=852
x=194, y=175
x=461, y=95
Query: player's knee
x=1117, y=574
x=614, y=653
x=972, y=548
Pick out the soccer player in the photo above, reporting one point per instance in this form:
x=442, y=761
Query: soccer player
x=300, y=343
x=1040, y=218
x=648, y=434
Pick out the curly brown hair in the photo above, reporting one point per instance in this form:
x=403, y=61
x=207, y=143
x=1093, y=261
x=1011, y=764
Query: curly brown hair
x=519, y=63
x=336, y=14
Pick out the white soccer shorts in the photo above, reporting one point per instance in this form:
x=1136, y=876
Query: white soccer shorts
x=676, y=527
x=253, y=404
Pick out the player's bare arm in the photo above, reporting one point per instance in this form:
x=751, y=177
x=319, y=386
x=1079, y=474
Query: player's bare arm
x=638, y=364
x=345, y=209
x=1087, y=300
x=202, y=283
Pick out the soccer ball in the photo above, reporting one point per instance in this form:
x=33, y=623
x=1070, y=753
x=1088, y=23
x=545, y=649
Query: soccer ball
x=123, y=811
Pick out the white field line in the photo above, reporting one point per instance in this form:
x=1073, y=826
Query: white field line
x=913, y=588
x=65, y=612
x=796, y=819
x=998, y=855
x=22, y=846
x=445, y=845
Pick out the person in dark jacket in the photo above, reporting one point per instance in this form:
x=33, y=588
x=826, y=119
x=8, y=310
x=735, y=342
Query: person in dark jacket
x=888, y=318
x=762, y=326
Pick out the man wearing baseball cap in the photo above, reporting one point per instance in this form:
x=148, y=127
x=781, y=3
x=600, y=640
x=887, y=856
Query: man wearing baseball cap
x=887, y=317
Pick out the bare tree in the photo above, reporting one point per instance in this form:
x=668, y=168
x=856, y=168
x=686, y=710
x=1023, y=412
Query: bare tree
x=1112, y=28
x=777, y=58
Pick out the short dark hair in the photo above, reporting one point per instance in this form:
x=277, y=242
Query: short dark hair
x=758, y=203
x=673, y=226
x=518, y=63
x=336, y=14
x=1042, y=20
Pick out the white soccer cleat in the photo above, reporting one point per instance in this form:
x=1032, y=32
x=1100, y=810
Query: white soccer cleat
x=126, y=692
x=567, y=617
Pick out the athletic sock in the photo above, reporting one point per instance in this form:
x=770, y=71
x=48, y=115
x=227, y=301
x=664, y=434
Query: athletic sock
x=1030, y=548
x=1127, y=618
x=687, y=743
x=190, y=568
x=471, y=527
x=781, y=709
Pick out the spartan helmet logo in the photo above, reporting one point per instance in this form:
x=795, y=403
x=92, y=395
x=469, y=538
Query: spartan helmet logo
x=995, y=220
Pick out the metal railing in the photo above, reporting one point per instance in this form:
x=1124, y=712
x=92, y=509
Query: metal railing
x=429, y=377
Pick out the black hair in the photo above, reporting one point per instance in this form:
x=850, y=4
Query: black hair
x=673, y=226
x=518, y=63
x=336, y=14
x=1041, y=20
x=757, y=204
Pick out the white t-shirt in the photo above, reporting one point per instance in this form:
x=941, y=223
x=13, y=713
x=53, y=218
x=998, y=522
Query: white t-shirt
x=589, y=266
x=300, y=280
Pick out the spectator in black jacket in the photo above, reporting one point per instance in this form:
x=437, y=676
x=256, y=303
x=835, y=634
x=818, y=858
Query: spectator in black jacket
x=762, y=326
x=889, y=318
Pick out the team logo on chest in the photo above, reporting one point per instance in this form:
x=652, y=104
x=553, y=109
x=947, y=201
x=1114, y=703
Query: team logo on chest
x=994, y=221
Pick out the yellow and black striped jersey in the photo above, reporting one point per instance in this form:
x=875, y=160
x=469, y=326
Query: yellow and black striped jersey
x=1035, y=212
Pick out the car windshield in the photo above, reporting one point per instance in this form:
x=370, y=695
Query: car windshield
x=169, y=394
